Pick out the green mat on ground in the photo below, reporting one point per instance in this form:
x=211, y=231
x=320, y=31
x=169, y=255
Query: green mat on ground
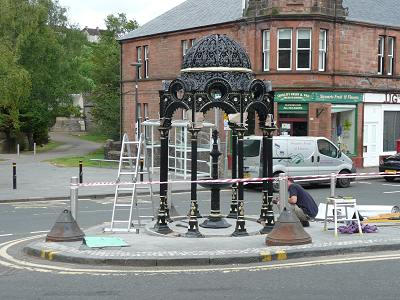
x=101, y=242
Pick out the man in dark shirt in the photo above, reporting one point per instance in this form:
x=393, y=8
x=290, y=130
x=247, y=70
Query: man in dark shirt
x=301, y=203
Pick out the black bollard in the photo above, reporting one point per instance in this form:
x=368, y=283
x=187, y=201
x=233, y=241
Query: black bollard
x=80, y=172
x=14, y=167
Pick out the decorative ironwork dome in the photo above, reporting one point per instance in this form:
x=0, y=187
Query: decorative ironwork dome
x=215, y=52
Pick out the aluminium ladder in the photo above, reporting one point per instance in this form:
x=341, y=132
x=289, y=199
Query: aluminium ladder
x=129, y=175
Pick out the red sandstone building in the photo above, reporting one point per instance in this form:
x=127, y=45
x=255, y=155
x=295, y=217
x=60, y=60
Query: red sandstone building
x=333, y=64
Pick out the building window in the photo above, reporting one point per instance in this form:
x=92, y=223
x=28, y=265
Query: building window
x=185, y=47
x=266, y=49
x=303, y=49
x=284, y=49
x=146, y=110
x=139, y=60
x=192, y=42
x=146, y=61
x=391, y=130
x=381, y=51
x=391, y=42
x=322, y=50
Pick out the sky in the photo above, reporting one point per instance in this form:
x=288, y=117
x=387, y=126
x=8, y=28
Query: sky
x=91, y=13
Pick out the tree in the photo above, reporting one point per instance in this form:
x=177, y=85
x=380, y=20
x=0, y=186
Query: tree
x=106, y=75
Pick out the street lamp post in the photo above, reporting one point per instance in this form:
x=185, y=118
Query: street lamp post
x=137, y=122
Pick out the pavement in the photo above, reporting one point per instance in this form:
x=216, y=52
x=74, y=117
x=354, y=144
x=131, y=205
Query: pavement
x=39, y=180
x=149, y=249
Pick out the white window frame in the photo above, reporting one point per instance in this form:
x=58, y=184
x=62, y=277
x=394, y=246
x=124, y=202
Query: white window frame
x=381, y=54
x=139, y=60
x=185, y=47
x=285, y=49
x=192, y=42
x=303, y=49
x=322, y=50
x=266, y=40
x=391, y=41
x=146, y=61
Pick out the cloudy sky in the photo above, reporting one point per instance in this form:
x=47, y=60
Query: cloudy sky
x=92, y=13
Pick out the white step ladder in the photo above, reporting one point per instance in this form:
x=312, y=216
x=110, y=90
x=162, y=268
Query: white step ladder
x=128, y=171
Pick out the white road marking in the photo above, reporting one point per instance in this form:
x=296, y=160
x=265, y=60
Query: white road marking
x=10, y=261
x=393, y=192
x=388, y=184
x=6, y=234
x=364, y=182
x=40, y=231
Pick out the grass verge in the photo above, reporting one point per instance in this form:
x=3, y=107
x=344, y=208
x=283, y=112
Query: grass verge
x=73, y=161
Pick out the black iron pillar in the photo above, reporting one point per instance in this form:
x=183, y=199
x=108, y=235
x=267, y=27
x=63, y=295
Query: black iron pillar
x=240, y=229
x=234, y=205
x=193, y=188
x=161, y=225
x=267, y=212
x=215, y=219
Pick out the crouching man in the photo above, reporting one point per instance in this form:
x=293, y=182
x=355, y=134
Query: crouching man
x=301, y=203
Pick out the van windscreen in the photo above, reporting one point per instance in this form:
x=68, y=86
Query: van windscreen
x=251, y=148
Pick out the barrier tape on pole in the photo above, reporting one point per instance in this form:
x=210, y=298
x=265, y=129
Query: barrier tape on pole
x=245, y=180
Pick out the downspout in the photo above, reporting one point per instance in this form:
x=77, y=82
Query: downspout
x=120, y=93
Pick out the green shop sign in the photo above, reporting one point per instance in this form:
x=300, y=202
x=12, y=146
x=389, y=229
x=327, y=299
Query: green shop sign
x=282, y=107
x=305, y=97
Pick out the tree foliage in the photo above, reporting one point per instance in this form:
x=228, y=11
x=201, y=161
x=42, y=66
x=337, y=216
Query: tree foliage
x=106, y=74
x=39, y=66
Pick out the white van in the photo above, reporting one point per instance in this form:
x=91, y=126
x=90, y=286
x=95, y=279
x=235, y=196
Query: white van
x=298, y=156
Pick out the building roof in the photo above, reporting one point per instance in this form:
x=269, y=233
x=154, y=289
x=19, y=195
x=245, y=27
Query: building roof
x=190, y=14
x=384, y=12
x=199, y=13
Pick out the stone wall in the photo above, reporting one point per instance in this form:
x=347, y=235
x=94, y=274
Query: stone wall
x=64, y=124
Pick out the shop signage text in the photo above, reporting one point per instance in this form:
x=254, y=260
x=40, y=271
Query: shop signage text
x=331, y=97
x=392, y=99
x=292, y=107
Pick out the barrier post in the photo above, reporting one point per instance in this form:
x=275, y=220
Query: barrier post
x=17, y=149
x=74, y=189
x=80, y=172
x=34, y=149
x=333, y=185
x=283, y=190
x=14, y=167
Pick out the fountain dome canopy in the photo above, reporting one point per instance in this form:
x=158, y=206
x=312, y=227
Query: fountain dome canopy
x=216, y=53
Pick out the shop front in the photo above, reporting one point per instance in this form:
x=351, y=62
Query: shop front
x=330, y=114
x=381, y=126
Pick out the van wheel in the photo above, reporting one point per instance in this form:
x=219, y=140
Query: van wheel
x=389, y=178
x=343, y=182
x=275, y=183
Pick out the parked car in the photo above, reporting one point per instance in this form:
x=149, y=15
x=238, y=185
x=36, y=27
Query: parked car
x=390, y=164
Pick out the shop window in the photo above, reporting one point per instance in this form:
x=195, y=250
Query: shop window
x=266, y=49
x=381, y=54
x=284, y=49
x=322, y=50
x=391, y=130
x=391, y=42
x=303, y=49
x=344, y=127
x=146, y=61
x=139, y=60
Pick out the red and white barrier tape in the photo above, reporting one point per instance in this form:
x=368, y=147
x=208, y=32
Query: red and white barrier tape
x=244, y=180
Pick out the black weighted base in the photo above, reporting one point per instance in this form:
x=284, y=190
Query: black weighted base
x=215, y=223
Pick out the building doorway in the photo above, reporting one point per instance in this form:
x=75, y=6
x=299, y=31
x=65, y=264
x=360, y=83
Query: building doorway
x=294, y=126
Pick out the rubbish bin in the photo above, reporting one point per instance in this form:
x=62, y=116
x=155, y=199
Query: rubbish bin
x=398, y=146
